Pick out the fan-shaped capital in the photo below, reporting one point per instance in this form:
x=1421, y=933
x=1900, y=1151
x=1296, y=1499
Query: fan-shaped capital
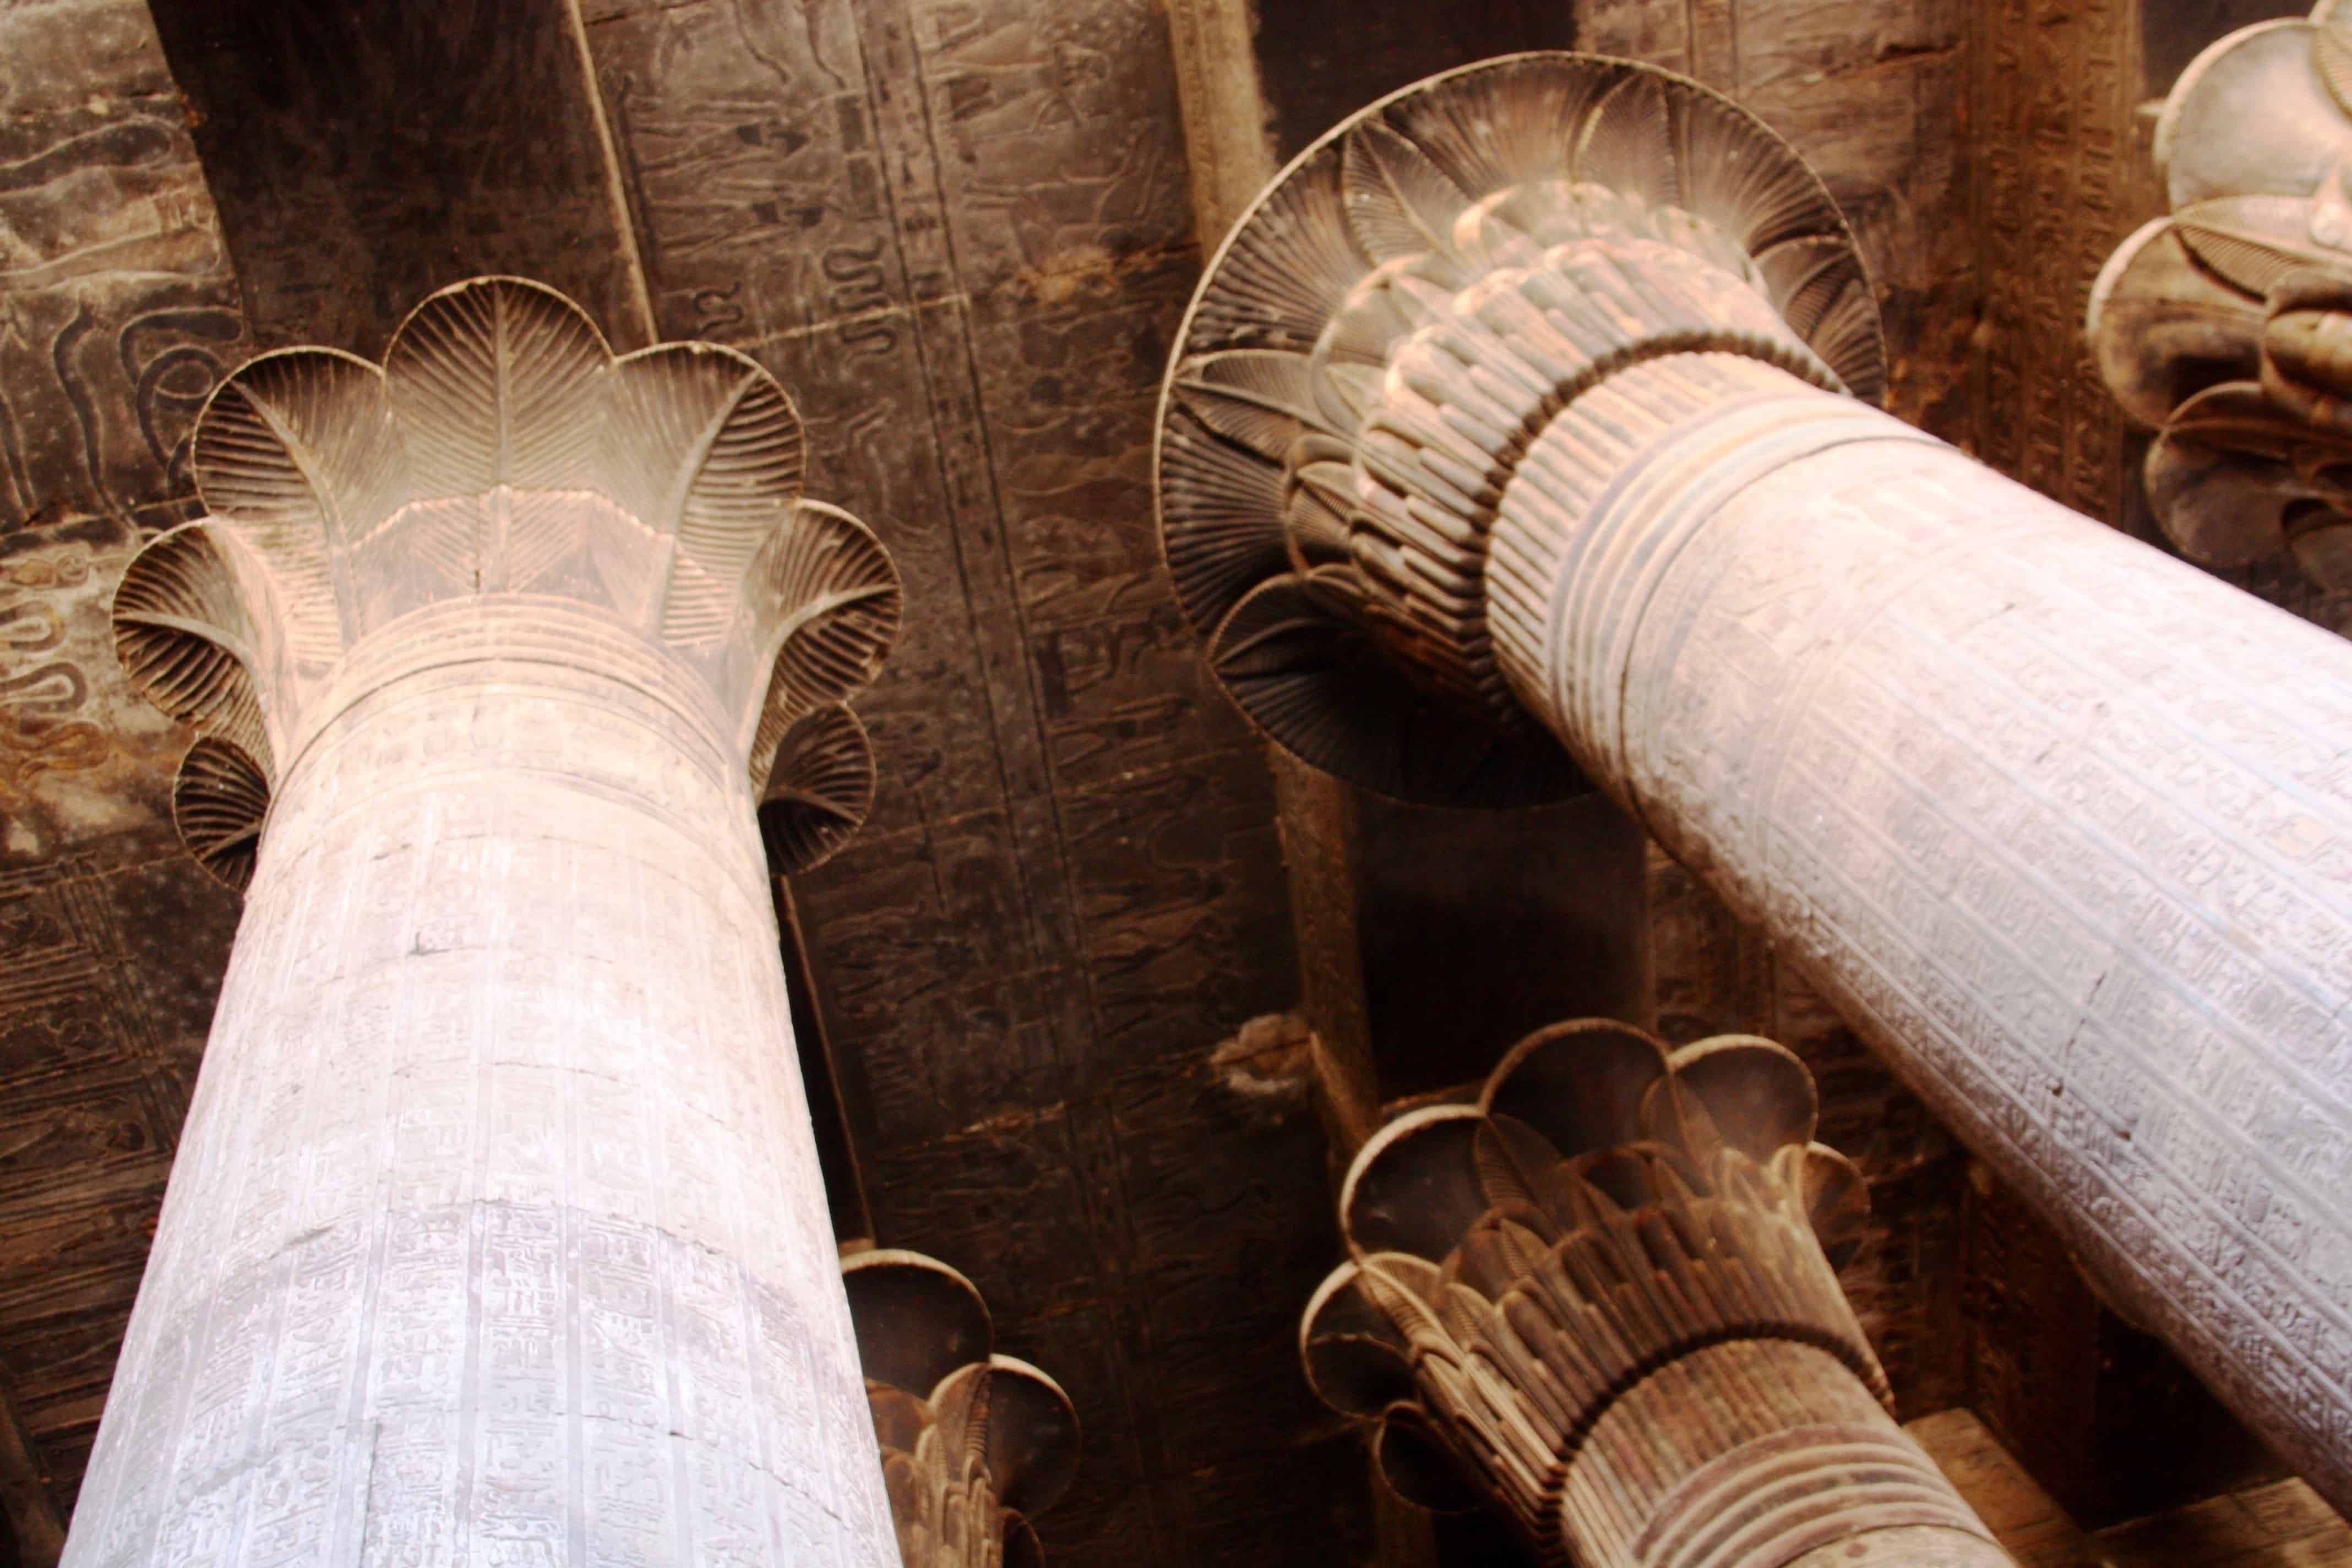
x=1607, y=1208
x=503, y=479
x=1390, y=325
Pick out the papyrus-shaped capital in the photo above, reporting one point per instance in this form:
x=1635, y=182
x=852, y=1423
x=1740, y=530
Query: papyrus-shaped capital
x=503, y=485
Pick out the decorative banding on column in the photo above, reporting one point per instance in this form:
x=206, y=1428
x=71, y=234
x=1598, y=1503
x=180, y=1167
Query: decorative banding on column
x=1838, y=1469
x=1600, y=1297
x=973, y=1443
x=1655, y=452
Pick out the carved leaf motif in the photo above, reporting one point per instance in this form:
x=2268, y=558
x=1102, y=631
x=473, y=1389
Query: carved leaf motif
x=1746, y=181
x=2332, y=49
x=829, y=595
x=1756, y=1094
x=1296, y=659
x=297, y=450
x=1508, y=122
x=1399, y=203
x=1372, y=264
x=1628, y=144
x=971, y=1441
x=498, y=381
x=220, y=800
x=818, y=791
x=1414, y=1189
x=1502, y=1348
x=1357, y=1359
x=2257, y=242
x=1261, y=398
x=182, y=633
x=2229, y=464
x=2251, y=116
x=1221, y=520
x=720, y=451
x=1286, y=267
x=1031, y=1450
x=2163, y=327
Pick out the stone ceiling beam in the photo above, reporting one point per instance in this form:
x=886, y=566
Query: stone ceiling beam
x=362, y=156
x=1519, y=438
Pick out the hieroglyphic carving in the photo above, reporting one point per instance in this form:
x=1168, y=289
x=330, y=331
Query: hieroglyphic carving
x=116, y=307
x=95, y=1069
x=2054, y=189
x=972, y=1442
x=1912, y=718
x=2222, y=325
x=498, y=1195
x=1604, y=1295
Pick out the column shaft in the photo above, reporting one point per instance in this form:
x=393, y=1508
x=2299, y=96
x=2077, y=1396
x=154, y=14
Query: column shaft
x=1756, y=1451
x=498, y=1233
x=2065, y=827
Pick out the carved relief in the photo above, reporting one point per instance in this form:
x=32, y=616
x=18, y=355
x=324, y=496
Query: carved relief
x=118, y=311
x=82, y=758
x=1390, y=324
x=2223, y=325
x=972, y=1442
x=1870, y=691
x=1605, y=1296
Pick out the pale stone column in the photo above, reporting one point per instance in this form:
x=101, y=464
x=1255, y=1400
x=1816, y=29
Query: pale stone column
x=497, y=1233
x=1542, y=445
x=1602, y=1297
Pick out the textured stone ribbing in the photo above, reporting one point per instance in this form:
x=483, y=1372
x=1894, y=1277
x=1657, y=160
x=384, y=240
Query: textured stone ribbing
x=1754, y=1451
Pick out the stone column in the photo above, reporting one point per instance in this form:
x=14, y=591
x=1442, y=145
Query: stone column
x=1600, y=1297
x=497, y=1233
x=972, y=1442
x=1520, y=427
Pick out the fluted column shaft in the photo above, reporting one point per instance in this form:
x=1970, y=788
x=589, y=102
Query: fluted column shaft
x=2063, y=825
x=497, y=1233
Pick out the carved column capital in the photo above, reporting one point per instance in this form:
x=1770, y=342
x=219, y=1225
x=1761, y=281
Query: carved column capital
x=2226, y=325
x=1392, y=324
x=501, y=488
x=1604, y=1296
x=972, y=1442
